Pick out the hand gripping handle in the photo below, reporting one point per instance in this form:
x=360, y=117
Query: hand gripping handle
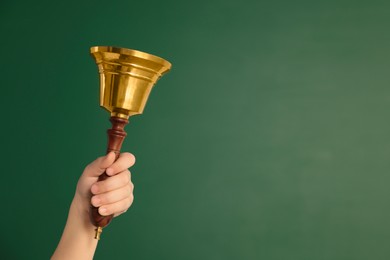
x=116, y=135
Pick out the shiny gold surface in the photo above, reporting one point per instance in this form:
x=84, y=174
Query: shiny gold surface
x=126, y=78
x=98, y=231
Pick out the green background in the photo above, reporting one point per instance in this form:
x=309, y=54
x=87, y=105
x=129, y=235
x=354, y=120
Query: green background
x=269, y=139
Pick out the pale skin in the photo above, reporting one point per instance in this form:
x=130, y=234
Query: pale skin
x=112, y=196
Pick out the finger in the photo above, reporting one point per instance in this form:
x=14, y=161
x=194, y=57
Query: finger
x=125, y=161
x=99, y=166
x=117, y=207
x=114, y=182
x=112, y=196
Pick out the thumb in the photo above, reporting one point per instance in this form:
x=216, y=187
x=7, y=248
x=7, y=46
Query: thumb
x=99, y=166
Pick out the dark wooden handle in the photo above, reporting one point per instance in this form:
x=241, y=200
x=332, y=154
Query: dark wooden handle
x=116, y=135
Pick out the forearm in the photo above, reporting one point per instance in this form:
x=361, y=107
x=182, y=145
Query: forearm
x=77, y=241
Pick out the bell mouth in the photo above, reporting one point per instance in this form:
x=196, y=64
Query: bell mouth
x=124, y=52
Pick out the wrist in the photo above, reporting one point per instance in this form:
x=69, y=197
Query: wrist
x=77, y=241
x=80, y=211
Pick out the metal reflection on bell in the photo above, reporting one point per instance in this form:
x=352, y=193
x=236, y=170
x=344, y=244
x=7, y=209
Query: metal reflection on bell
x=126, y=78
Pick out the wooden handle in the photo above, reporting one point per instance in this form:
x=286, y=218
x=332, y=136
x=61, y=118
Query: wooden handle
x=116, y=135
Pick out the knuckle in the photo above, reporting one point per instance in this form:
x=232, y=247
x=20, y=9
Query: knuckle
x=129, y=190
x=129, y=201
x=130, y=157
x=88, y=167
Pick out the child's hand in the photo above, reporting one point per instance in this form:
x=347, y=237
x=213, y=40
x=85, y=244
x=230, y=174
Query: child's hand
x=113, y=195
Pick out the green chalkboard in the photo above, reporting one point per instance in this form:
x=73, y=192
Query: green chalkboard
x=269, y=139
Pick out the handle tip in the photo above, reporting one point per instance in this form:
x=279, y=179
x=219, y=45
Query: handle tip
x=98, y=231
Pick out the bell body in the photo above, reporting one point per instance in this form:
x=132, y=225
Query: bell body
x=126, y=78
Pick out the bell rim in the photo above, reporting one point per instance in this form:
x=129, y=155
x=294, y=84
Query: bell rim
x=131, y=52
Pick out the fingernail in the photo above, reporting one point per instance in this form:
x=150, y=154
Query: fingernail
x=96, y=201
x=94, y=189
x=102, y=210
x=109, y=171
